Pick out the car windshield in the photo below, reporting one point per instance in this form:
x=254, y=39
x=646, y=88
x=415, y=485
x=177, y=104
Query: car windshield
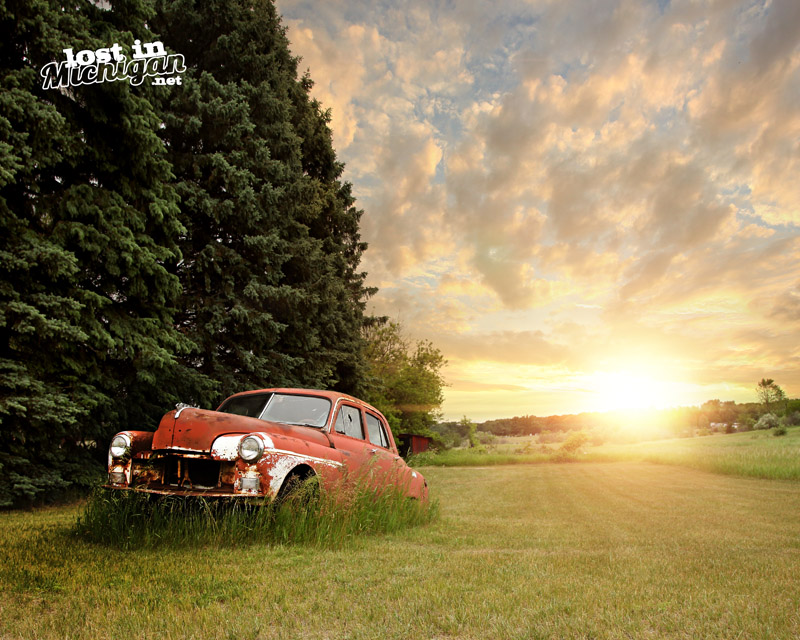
x=251, y=405
x=309, y=411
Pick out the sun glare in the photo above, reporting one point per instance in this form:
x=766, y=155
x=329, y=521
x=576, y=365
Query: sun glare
x=620, y=390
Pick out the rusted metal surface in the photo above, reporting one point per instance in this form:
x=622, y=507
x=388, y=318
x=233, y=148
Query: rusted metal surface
x=197, y=452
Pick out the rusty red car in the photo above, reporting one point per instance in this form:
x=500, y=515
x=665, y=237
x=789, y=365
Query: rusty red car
x=260, y=444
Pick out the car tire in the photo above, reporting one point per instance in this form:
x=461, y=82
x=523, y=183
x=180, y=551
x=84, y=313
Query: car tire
x=301, y=487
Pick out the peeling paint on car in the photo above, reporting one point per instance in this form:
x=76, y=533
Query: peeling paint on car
x=226, y=447
x=279, y=470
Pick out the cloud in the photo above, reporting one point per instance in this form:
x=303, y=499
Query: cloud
x=403, y=221
x=472, y=386
x=338, y=74
x=520, y=347
x=787, y=305
x=779, y=37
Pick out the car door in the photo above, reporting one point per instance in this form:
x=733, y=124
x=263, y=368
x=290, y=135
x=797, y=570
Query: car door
x=384, y=456
x=348, y=436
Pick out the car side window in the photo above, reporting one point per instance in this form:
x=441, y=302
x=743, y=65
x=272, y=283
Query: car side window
x=377, y=433
x=348, y=422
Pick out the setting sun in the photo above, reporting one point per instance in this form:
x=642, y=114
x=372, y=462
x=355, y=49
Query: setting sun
x=618, y=390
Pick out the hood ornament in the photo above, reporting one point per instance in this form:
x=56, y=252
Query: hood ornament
x=181, y=406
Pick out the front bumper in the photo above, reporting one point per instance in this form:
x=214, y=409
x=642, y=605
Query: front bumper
x=187, y=474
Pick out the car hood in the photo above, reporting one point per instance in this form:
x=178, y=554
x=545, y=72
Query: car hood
x=196, y=429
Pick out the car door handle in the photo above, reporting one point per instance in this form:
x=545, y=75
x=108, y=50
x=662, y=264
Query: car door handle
x=372, y=450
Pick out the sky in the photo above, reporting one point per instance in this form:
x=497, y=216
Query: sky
x=585, y=205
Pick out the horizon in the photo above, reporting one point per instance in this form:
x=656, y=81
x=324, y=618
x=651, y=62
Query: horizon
x=622, y=412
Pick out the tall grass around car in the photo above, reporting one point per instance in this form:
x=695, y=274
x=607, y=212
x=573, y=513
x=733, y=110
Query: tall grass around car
x=310, y=516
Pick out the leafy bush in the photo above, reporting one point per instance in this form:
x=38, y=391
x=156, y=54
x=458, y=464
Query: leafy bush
x=779, y=430
x=767, y=421
x=424, y=459
x=575, y=441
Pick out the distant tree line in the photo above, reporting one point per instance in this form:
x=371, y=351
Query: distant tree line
x=711, y=416
x=165, y=244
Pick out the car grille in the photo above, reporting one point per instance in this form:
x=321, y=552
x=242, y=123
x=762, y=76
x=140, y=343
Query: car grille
x=183, y=473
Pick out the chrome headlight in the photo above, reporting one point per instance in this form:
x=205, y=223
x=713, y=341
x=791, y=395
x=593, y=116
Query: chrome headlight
x=251, y=448
x=119, y=445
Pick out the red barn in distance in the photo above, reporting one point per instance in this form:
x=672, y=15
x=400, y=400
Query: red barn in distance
x=412, y=444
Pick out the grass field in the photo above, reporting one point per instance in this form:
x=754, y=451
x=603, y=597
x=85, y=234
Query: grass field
x=620, y=550
x=755, y=454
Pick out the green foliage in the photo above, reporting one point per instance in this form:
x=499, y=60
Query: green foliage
x=448, y=434
x=575, y=441
x=516, y=426
x=770, y=395
x=793, y=407
x=767, y=421
x=272, y=295
x=89, y=220
x=716, y=411
x=405, y=381
x=472, y=432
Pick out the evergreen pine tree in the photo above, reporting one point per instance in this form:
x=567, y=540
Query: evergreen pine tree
x=88, y=221
x=272, y=294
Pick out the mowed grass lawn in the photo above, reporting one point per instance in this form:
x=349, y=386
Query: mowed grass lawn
x=596, y=550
